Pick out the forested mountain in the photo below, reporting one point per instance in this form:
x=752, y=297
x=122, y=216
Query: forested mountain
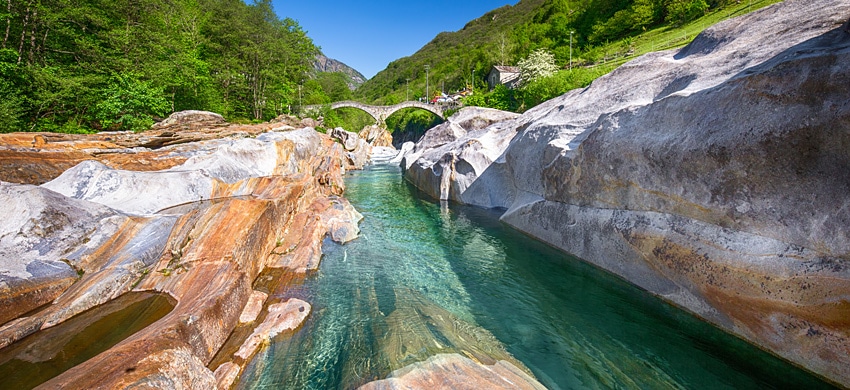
x=82, y=65
x=601, y=30
x=325, y=64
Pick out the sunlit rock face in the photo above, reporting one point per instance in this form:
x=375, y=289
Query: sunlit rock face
x=225, y=204
x=715, y=176
x=357, y=149
x=453, y=156
x=36, y=158
x=44, y=240
x=377, y=136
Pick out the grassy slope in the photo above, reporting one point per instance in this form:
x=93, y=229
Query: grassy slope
x=476, y=45
x=477, y=38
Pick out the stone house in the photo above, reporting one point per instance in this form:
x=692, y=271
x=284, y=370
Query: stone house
x=505, y=75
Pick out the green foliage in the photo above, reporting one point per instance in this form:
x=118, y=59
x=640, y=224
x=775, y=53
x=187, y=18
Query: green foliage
x=681, y=11
x=411, y=123
x=11, y=99
x=350, y=119
x=543, y=89
x=118, y=64
x=334, y=85
x=500, y=98
x=536, y=91
x=603, y=31
x=128, y=103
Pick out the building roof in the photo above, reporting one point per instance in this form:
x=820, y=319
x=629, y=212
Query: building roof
x=506, y=69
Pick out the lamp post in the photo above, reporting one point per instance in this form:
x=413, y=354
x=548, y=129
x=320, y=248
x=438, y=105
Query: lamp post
x=571, y=50
x=408, y=89
x=473, y=80
x=300, y=101
x=427, y=91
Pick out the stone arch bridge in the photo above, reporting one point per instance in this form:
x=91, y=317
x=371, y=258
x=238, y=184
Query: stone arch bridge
x=381, y=113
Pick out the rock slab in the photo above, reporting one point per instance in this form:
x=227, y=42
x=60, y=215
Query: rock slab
x=715, y=176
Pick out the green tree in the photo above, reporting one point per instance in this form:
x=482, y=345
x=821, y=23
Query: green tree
x=130, y=104
x=334, y=85
x=682, y=11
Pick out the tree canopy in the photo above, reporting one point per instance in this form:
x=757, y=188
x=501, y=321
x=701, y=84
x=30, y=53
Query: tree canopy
x=83, y=65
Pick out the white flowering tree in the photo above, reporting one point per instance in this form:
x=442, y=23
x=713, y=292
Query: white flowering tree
x=540, y=63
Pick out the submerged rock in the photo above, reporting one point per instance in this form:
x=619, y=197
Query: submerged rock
x=715, y=176
x=282, y=317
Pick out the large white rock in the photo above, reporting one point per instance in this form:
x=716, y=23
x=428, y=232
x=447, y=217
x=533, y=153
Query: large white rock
x=715, y=176
x=220, y=161
x=452, y=156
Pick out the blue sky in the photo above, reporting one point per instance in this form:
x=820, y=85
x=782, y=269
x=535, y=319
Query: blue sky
x=368, y=35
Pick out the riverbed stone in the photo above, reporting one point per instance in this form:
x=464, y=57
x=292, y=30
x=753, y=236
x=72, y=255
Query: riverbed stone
x=253, y=307
x=226, y=375
x=454, y=371
x=714, y=176
x=454, y=156
x=357, y=149
x=194, y=118
x=44, y=241
x=282, y=317
x=377, y=136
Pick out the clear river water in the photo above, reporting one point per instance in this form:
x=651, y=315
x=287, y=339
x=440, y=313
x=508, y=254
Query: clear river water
x=427, y=278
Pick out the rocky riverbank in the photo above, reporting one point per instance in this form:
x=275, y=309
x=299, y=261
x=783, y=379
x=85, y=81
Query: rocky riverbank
x=196, y=209
x=715, y=176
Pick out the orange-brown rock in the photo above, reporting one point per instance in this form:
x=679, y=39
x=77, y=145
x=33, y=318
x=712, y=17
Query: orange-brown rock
x=377, y=136
x=36, y=158
x=282, y=317
x=200, y=230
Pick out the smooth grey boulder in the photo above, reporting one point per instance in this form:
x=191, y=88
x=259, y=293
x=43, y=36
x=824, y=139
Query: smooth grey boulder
x=405, y=149
x=357, y=149
x=452, y=156
x=44, y=239
x=715, y=176
x=190, y=117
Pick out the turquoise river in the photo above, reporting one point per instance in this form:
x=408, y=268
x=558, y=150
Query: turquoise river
x=427, y=278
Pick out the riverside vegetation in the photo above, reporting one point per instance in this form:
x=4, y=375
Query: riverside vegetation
x=606, y=33
x=83, y=66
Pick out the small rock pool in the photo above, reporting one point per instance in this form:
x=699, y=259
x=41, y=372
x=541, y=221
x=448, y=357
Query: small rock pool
x=426, y=278
x=45, y=354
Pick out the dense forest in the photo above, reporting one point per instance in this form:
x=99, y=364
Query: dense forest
x=83, y=65
x=590, y=35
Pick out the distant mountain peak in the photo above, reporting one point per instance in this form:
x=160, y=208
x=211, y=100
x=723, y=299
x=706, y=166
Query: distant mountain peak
x=325, y=64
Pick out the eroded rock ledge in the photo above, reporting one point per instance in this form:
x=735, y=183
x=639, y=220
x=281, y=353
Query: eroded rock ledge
x=198, y=218
x=715, y=176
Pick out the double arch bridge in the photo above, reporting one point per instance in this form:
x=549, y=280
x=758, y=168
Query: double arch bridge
x=381, y=113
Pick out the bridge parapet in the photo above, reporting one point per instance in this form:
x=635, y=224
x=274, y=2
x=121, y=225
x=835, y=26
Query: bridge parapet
x=381, y=113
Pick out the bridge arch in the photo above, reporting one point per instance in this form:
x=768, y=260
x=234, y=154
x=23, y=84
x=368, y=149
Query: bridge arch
x=381, y=113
